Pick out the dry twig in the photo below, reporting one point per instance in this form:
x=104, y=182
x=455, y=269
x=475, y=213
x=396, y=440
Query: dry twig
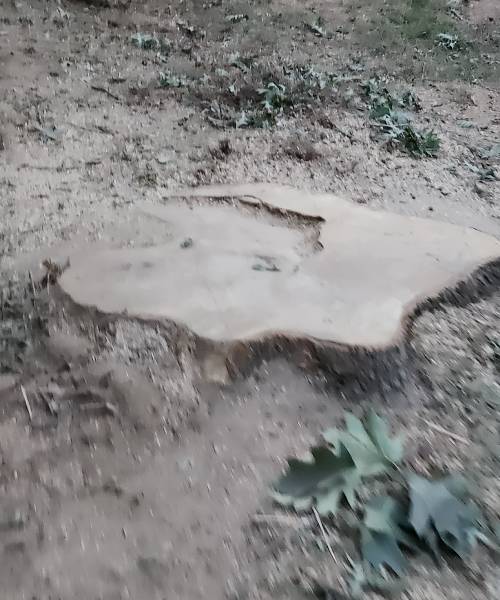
x=27, y=402
x=324, y=535
x=99, y=88
x=450, y=434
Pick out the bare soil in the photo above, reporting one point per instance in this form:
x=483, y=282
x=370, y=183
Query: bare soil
x=125, y=473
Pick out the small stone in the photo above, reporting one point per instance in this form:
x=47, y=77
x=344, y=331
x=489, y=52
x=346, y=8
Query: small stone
x=162, y=158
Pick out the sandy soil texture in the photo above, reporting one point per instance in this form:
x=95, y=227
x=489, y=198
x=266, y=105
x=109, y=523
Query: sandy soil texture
x=128, y=471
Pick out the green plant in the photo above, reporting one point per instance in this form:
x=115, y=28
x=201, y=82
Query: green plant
x=449, y=41
x=337, y=469
x=423, y=19
x=147, y=41
x=257, y=97
x=383, y=102
x=167, y=79
x=363, y=577
x=383, y=531
x=390, y=115
x=418, y=515
x=438, y=513
x=273, y=101
x=419, y=143
x=274, y=97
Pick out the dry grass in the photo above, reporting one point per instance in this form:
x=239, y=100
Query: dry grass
x=405, y=33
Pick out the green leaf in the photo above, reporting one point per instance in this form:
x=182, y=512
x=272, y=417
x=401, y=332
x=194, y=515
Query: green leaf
x=391, y=448
x=386, y=515
x=458, y=486
x=492, y=152
x=364, y=578
x=449, y=41
x=382, y=534
x=371, y=449
x=496, y=529
x=410, y=100
x=419, y=144
x=168, y=79
x=358, y=581
x=146, y=41
x=382, y=550
x=380, y=110
x=434, y=508
x=326, y=480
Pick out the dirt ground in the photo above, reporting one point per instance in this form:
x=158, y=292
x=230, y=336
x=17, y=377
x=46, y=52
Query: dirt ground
x=125, y=474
